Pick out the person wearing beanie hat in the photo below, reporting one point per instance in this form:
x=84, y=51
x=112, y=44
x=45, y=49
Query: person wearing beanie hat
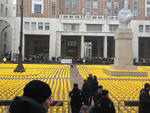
x=76, y=98
x=35, y=99
x=104, y=104
x=37, y=90
x=98, y=94
x=105, y=93
x=147, y=86
x=75, y=85
x=144, y=99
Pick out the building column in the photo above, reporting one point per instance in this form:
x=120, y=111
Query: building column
x=58, y=44
x=82, y=46
x=105, y=47
x=52, y=44
x=135, y=47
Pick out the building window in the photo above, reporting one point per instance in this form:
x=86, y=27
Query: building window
x=37, y=8
x=135, y=1
x=53, y=0
x=94, y=27
x=74, y=12
x=88, y=3
x=88, y=12
x=47, y=26
x=74, y=3
x=148, y=2
x=33, y=25
x=95, y=5
x=72, y=43
x=116, y=13
x=116, y=4
x=95, y=13
x=148, y=11
x=26, y=25
x=140, y=28
x=113, y=28
x=147, y=28
x=53, y=8
x=135, y=11
x=40, y=26
x=108, y=4
x=67, y=3
x=71, y=27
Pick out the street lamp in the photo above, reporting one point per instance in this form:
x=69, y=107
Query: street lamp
x=20, y=67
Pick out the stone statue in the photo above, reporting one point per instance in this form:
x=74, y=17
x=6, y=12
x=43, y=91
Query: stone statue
x=125, y=16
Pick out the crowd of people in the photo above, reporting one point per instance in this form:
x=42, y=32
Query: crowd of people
x=92, y=96
x=94, y=99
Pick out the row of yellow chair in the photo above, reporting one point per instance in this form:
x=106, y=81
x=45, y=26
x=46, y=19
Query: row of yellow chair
x=120, y=88
x=57, y=76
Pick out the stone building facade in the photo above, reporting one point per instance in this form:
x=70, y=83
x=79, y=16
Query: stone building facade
x=77, y=28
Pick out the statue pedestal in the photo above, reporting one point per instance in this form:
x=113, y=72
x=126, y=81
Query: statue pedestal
x=123, y=55
x=123, y=50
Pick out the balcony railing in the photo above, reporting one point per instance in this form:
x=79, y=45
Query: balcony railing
x=90, y=17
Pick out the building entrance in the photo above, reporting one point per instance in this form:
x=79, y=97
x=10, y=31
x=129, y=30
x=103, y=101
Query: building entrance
x=144, y=45
x=110, y=47
x=70, y=46
x=93, y=46
x=37, y=45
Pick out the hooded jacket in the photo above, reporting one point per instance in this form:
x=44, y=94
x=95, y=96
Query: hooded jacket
x=104, y=105
x=26, y=105
x=144, y=104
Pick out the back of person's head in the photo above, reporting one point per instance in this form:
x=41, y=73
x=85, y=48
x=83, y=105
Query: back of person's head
x=100, y=87
x=37, y=90
x=84, y=109
x=85, y=80
x=147, y=85
x=95, y=77
x=105, y=93
x=75, y=85
x=90, y=75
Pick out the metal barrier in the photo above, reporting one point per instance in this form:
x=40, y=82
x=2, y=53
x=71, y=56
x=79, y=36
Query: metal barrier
x=54, y=103
x=5, y=102
x=128, y=103
x=61, y=103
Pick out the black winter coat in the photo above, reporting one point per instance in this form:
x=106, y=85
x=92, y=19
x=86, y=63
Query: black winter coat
x=26, y=105
x=76, y=97
x=144, y=101
x=104, y=105
x=96, y=97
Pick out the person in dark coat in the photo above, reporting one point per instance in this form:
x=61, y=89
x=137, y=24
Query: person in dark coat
x=95, y=84
x=35, y=99
x=76, y=99
x=104, y=104
x=144, y=99
x=98, y=94
x=85, y=92
x=90, y=89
